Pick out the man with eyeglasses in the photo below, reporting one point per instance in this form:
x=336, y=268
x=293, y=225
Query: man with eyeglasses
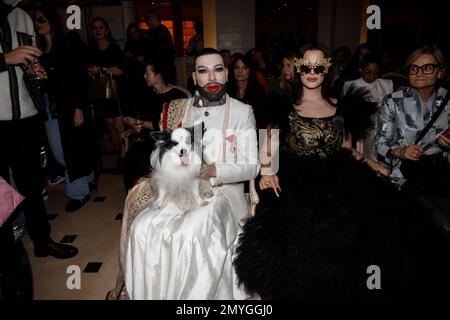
x=403, y=115
x=21, y=127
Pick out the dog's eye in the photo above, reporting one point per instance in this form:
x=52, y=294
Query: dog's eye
x=170, y=144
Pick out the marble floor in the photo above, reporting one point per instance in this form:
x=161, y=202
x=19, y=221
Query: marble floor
x=94, y=230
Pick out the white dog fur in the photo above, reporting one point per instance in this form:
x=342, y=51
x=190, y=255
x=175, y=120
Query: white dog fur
x=177, y=163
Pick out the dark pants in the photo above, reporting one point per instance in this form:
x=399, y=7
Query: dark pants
x=429, y=181
x=20, y=143
x=16, y=281
x=137, y=161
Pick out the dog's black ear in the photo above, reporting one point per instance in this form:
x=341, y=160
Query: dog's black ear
x=160, y=136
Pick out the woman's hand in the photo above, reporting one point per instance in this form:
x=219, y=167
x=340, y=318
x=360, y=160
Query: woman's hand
x=136, y=124
x=411, y=152
x=130, y=121
x=78, y=117
x=444, y=142
x=270, y=182
x=378, y=168
x=36, y=69
x=93, y=70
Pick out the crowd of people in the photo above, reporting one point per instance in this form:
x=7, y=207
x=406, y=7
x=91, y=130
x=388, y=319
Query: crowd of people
x=353, y=168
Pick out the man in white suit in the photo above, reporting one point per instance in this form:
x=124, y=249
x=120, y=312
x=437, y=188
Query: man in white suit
x=176, y=255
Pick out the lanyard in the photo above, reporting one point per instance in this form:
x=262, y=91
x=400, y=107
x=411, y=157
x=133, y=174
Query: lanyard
x=224, y=126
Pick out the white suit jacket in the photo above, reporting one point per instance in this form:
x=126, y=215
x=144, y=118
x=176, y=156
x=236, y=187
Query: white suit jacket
x=234, y=150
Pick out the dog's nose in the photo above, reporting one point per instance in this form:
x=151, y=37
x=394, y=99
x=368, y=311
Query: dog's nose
x=183, y=152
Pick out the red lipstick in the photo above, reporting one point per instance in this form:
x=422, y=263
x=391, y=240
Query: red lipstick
x=213, y=87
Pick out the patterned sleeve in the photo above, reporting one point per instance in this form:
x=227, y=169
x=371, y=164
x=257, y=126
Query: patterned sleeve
x=386, y=137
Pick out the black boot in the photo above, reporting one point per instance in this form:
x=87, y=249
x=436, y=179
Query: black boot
x=57, y=250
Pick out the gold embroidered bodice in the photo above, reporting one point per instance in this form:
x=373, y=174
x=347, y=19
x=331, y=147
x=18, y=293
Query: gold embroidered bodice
x=314, y=137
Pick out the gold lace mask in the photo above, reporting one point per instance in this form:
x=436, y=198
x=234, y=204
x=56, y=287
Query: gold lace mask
x=303, y=66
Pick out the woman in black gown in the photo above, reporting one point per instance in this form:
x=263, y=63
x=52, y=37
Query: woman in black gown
x=332, y=216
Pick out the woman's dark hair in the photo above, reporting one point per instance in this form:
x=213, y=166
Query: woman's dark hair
x=252, y=81
x=159, y=68
x=133, y=25
x=368, y=59
x=326, y=84
x=56, y=26
x=109, y=37
x=223, y=51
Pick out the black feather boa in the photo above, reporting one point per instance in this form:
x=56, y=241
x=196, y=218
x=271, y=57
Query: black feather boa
x=334, y=219
x=356, y=108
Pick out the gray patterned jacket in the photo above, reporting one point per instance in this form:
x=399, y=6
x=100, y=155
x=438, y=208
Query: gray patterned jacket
x=402, y=116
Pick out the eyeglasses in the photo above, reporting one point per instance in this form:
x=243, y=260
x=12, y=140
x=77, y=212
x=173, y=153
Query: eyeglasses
x=304, y=69
x=40, y=20
x=426, y=68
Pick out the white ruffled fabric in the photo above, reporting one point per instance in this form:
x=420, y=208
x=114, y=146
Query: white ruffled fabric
x=183, y=256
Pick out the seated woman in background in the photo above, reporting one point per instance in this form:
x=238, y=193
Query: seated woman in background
x=145, y=119
x=331, y=217
x=378, y=88
x=284, y=85
x=243, y=85
x=403, y=116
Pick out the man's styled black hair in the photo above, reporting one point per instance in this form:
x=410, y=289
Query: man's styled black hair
x=204, y=52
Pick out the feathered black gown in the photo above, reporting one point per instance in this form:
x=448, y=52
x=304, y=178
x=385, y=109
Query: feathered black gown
x=334, y=218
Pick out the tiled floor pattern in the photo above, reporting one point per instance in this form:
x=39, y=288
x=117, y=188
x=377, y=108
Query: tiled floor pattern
x=94, y=230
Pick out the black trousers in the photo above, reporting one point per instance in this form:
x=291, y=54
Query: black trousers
x=20, y=143
x=16, y=281
x=429, y=181
x=136, y=163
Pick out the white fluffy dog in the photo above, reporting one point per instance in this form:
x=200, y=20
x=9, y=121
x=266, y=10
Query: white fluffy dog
x=177, y=162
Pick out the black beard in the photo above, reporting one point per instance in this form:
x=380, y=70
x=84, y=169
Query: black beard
x=212, y=96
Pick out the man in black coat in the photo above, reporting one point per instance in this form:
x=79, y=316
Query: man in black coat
x=159, y=45
x=21, y=128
